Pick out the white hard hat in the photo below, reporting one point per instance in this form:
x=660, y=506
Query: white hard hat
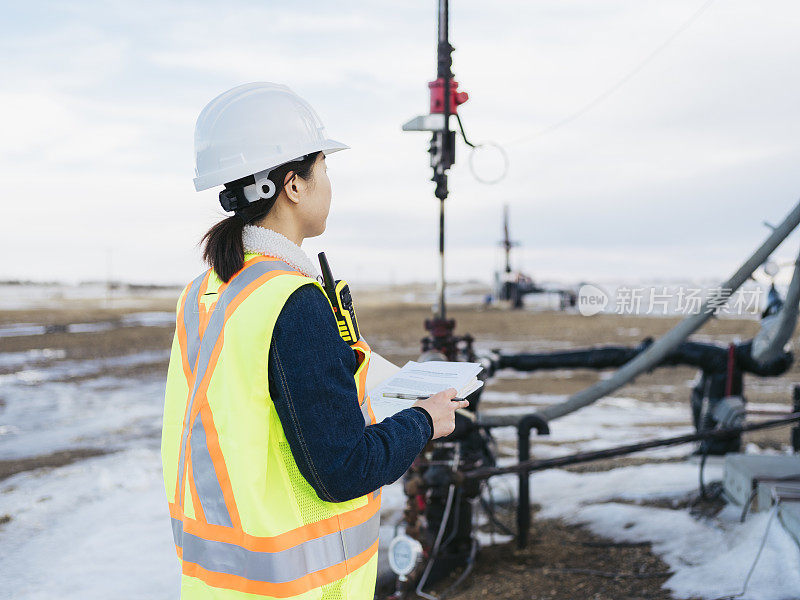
x=252, y=129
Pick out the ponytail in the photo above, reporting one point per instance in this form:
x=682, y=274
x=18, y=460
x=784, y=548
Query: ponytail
x=223, y=250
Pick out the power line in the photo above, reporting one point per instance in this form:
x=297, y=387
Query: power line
x=599, y=99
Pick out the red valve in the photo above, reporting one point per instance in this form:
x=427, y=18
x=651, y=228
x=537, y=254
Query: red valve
x=437, y=96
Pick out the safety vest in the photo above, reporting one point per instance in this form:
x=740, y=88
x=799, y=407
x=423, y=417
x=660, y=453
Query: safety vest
x=246, y=523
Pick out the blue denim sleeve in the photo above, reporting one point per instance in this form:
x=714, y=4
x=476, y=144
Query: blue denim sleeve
x=312, y=387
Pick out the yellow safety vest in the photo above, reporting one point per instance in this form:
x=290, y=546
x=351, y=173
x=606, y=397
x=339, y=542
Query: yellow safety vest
x=246, y=523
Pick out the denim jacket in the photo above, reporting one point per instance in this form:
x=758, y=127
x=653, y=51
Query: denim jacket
x=312, y=387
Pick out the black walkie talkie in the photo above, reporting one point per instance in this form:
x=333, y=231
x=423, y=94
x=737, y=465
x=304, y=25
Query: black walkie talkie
x=339, y=294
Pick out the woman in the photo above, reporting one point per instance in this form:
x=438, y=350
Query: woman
x=272, y=459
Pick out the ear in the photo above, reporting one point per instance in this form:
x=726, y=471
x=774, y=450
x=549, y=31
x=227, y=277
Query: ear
x=294, y=187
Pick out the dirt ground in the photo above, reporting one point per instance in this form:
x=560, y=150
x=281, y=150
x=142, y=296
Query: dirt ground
x=566, y=562
x=562, y=562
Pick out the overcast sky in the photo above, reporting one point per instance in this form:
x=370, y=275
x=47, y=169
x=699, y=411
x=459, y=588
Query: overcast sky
x=669, y=176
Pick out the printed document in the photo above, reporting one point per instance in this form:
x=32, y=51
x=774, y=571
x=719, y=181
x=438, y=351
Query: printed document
x=422, y=379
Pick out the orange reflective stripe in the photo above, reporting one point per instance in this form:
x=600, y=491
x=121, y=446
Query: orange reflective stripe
x=362, y=380
x=212, y=441
x=281, y=590
x=357, y=515
x=175, y=510
x=361, y=370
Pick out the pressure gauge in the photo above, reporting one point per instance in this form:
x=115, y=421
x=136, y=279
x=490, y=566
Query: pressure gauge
x=404, y=552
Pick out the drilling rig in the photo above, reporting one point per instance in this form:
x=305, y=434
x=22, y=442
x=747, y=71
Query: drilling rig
x=513, y=286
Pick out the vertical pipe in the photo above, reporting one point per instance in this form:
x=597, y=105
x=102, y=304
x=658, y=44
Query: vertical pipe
x=443, y=73
x=524, y=502
x=443, y=17
x=445, y=63
x=442, y=310
x=523, y=448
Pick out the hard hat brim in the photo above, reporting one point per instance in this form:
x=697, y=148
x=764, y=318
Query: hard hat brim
x=333, y=146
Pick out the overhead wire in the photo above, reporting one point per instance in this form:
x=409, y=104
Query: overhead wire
x=605, y=94
x=597, y=100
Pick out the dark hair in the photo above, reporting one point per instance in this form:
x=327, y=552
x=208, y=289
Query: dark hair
x=223, y=249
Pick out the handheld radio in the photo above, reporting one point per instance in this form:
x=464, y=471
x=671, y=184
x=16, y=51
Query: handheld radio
x=338, y=293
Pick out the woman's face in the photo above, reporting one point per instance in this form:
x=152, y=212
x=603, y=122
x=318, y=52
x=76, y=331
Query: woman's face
x=316, y=201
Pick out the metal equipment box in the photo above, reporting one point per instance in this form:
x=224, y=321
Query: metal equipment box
x=750, y=477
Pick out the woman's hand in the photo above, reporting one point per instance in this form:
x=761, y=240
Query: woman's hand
x=442, y=410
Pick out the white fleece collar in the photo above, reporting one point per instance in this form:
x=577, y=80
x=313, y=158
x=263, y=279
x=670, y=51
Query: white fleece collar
x=266, y=241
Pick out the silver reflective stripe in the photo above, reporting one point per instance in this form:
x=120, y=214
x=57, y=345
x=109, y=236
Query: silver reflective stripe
x=365, y=412
x=191, y=321
x=286, y=565
x=215, y=324
x=177, y=531
x=205, y=478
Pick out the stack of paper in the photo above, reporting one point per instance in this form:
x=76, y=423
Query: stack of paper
x=423, y=379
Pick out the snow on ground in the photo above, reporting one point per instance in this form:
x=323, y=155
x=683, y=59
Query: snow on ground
x=94, y=529
x=66, y=369
x=43, y=412
x=137, y=319
x=16, y=360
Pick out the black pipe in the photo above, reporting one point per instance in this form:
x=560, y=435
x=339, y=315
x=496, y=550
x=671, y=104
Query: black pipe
x=591, y=358
x=710, y=358
x=581, y=457
x=523, y=444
